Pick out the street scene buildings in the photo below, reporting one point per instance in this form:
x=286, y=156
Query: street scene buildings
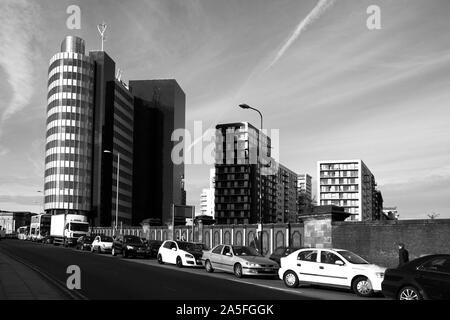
x=312, y=202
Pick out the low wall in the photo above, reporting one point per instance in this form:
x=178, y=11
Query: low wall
x=377, y=241
x=274, y=235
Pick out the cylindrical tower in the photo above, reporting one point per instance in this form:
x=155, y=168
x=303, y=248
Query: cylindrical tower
x=70, y=110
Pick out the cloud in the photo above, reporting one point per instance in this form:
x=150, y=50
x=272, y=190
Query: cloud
x=315, y=14
x=19, y=19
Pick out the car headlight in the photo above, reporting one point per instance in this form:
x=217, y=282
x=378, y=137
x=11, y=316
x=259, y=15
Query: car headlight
x=380, y=275
x=190, y=256
x=130, y=248
x=252, y=264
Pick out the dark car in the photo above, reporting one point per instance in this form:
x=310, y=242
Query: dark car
x=85, y=242
x=130, y=246
x=153, y=246
x=427, y=278
x=282, y=252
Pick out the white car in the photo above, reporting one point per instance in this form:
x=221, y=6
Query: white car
x=180, y=253
x=331, y=267
x=102, y=244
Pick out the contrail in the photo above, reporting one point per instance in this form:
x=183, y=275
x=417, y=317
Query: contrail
x=315, y=14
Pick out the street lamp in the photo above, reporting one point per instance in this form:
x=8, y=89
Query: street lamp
x=43, y=200
x=246, y=106
x=117, y=189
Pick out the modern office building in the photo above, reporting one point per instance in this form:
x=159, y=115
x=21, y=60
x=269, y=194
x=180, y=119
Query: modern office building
x=304, y=185
x=207, y=196
x=158, y=182
x=348, y=184
x=238, y=175
x=287, y=193
x=90, y=122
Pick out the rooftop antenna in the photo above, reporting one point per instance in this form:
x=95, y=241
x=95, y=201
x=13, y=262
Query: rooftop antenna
x=102, y=29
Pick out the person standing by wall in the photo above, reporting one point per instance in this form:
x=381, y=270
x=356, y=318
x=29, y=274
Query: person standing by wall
x=403, y=254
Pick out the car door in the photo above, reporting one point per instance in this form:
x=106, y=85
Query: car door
x=215, y=257
x=331, y=269
x=164, y=251
x=434, y=278
x=227, y=259
x=306, y=265
x=172, y=253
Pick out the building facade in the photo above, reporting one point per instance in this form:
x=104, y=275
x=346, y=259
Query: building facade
x=158, y=182
x=348, y=184
x=89, y=128
x=69, y=136
x=207, y=196
x=304, y=185
x=287, y=194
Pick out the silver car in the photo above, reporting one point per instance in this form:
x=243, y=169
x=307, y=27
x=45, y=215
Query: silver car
x=242, y=261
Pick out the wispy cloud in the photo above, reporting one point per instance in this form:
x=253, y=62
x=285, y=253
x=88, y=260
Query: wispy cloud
x=19, y=20
x=315, y=14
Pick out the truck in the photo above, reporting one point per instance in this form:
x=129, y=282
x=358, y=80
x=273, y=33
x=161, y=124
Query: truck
x=65, y=229
x=39, y=226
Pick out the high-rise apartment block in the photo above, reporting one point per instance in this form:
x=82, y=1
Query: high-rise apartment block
x=240, y=178
x=348, y=184
x=304, y=185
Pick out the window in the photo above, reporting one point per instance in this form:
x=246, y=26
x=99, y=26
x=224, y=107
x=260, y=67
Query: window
x=226, y=250
x=440, y=264
x=309, y=255
x=167, y=245
x=218, y=249
x=329, y=257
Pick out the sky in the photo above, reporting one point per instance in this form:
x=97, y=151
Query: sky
x=333, y=88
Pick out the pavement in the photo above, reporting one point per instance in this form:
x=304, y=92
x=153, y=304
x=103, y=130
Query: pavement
x=19, y=282
x=106, y=277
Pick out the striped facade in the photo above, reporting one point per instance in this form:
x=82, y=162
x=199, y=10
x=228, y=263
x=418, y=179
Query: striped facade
x=68, y=158
x=123, y=145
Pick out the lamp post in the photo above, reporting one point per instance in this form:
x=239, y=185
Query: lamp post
x=117, y=189
x=246, y=106
x=43, y=200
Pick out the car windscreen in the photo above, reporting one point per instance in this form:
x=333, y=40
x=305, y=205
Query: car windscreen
x=132, y=239
x=84, y=227
x=352, y=257
x=245, y=251
x=106, y=239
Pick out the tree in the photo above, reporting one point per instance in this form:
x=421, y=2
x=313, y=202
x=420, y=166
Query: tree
x=433, y=215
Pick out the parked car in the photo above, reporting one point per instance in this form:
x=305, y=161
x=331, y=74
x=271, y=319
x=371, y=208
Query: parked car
x=282, y=252
x=202, y=246
x=102, y=244
x=85, y=242
x=153, y=246
x=242, y=261
x=426, y=278
x=47, y=239
x=331, y=267
x=180, y=253
x=130, y=246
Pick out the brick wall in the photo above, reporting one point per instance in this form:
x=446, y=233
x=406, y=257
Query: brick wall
x=377, y=241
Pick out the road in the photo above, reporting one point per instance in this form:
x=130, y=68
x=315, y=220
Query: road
x=107, y=277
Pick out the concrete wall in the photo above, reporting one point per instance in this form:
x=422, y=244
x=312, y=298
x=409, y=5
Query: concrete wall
x=377, y=241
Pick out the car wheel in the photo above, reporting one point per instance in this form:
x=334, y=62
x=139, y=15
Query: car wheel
x=290, y=279
x=113, y=252
x=124, y=253
x=238, y=270
x=209, y=267
x=362, y=287
x=179, y=262
x=409, y=293
x=160, y=259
